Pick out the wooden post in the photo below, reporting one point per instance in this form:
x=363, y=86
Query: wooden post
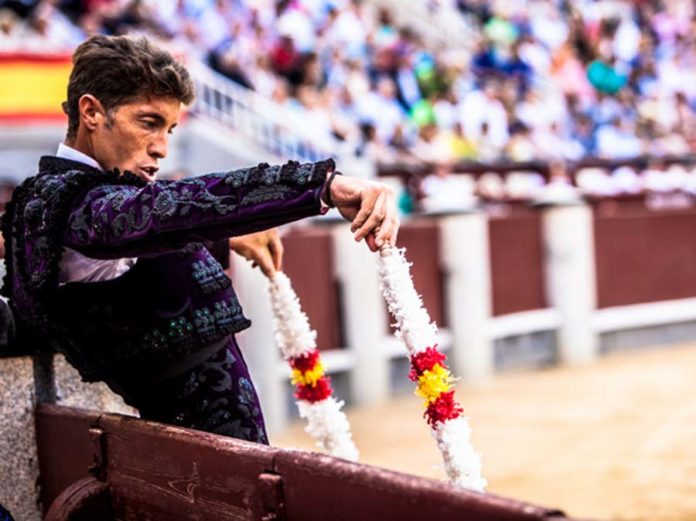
x=365, y=317
x=570, y=276
x=466, y=261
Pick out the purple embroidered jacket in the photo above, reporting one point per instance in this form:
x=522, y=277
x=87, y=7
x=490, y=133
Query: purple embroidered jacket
x=176, y=300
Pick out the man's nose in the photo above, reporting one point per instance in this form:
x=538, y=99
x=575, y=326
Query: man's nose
x=158, y=148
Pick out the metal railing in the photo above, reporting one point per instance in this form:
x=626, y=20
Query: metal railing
x=275, y=129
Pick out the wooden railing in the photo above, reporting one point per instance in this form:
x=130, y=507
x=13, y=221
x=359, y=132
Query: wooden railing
x=643, y=255
x=309, y=263
x=124, y=468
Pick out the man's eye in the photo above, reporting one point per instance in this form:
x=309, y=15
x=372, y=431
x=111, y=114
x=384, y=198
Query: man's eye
x=150, y=125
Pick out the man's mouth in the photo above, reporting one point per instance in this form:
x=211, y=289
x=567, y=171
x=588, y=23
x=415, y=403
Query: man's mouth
x=148, y=172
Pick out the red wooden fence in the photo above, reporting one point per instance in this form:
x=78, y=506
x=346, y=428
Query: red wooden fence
x=421, y=238
x=144, y=470
x=643, y=255
x=516, y=260
x=309, y=262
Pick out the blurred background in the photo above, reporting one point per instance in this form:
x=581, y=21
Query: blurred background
x=543, y=153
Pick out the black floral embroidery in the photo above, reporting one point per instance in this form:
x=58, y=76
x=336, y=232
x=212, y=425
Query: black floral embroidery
x=193, y=193
x=265, y=193
x=165, y=204
x=209, y=275
x=131, y=221
x=215, y=396
x=33, y=227
x=292, y=173
x=268, y=183
x=206, y=327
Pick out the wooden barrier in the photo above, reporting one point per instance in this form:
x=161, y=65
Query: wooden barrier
x=65, y=448
x=517, y=260
x=421, y=238
x=643, y=255
x=310, y=265
x=155, y=472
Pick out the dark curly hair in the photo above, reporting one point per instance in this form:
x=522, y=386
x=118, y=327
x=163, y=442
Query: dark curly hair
x=118, y=70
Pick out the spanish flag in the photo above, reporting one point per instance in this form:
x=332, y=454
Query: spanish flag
x=33, y=87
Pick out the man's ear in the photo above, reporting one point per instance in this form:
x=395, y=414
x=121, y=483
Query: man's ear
x=92, y=113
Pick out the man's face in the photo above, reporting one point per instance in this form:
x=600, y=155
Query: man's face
x=134, y=135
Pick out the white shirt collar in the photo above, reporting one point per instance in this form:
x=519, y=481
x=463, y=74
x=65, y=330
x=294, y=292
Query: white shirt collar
x=66, y=152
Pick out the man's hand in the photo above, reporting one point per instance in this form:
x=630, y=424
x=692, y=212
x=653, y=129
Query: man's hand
x=370, y=207
x=264, y=249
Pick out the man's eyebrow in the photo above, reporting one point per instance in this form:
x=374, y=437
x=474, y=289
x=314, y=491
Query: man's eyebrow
x=161, y=120
x=154, y=115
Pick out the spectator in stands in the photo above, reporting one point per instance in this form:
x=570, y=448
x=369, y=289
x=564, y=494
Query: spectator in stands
x=373, y=148
x=460, y=147
x=521, y=147
x=484, y=119
x=431, y=146
x=587, y=63
x=286, y=60
x=584, y=133
x=10, y=31
x=114, y=269
x=517, y=68
x=618, y=139
x=444, y=191
x=487, y=147
x=382, y=109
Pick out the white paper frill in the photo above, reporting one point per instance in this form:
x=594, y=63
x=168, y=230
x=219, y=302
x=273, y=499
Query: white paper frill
x=414, y=328
x=326, y=423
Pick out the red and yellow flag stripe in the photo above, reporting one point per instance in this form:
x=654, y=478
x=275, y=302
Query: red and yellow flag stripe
x=33, y=87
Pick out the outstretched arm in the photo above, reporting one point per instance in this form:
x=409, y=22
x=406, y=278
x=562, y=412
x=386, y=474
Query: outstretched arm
x=125, y=221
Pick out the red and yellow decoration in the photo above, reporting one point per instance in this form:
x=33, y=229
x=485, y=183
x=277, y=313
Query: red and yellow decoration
x=311, y=383
x=326, y=423
x=429, y=369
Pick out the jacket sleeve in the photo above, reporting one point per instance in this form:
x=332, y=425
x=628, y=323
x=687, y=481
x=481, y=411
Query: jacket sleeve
x=115, y=221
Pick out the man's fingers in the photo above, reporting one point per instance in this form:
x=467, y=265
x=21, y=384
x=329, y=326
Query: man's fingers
x=263, y=258
x=395, y=233
x=275, y=246
x=371, y=208
x=387, y=232
x=390, y=224
x=263, y=249
x=366, y=208
x=373, y=221
x=361, y=218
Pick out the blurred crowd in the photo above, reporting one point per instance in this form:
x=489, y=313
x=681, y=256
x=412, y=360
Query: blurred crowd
x=542, y=79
